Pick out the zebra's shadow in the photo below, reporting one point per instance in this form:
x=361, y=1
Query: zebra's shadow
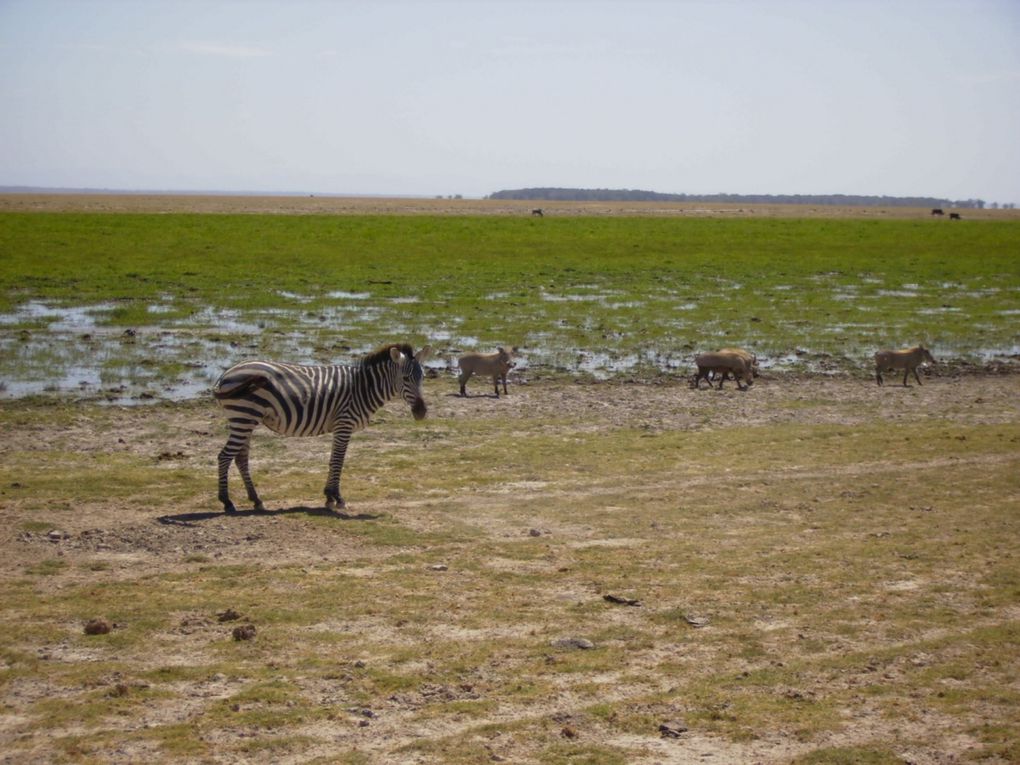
x=193, y=519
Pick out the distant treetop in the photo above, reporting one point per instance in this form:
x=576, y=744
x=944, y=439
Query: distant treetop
x=636, y=195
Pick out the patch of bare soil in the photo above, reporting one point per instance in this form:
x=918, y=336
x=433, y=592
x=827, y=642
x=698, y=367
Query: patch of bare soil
x=160, y=538
x=191, y=437
x=130, y=542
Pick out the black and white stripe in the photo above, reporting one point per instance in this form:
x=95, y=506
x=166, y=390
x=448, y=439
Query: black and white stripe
x=301, y=400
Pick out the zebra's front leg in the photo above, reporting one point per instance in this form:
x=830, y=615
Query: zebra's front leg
x=242, y=466
x=341, y=437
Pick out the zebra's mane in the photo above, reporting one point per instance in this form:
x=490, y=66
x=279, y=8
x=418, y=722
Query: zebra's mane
x=382, y=355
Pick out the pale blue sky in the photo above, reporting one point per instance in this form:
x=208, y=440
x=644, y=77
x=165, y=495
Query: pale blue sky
x=434, y=98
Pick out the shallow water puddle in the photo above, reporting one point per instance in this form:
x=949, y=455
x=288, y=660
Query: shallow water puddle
x=46, y=348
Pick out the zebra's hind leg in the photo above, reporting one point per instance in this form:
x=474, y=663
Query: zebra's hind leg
x=334, y=501
x=242, y=466
x=341, y=437
x=237, y=444
x=225, y=458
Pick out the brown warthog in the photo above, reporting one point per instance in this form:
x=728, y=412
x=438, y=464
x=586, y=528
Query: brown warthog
x=494, y=365
x=721, y=365
x=750, y=358
x=909, y=359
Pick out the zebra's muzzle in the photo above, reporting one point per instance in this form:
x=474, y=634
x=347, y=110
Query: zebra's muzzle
x=419, y=409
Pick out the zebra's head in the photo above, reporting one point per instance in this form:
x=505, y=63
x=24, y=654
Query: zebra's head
x=411, y=376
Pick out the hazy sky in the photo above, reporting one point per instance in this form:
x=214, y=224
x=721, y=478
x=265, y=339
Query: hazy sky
x=435, y=98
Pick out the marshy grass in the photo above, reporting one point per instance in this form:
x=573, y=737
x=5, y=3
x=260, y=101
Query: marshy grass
x=600, y=297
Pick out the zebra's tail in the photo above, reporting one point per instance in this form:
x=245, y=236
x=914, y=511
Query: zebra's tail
x=238, y=387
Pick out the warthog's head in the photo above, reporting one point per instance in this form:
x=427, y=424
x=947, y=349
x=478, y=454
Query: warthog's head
x=506, y=359
x=748, y=374
x=926, y=355
x=412, y=374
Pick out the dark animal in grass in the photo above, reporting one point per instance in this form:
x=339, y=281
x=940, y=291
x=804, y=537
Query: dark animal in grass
x=722, y=365
x=494, y=365
x=908, y=359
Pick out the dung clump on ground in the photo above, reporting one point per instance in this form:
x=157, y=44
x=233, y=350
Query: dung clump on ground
x=244, y=632
x=98, y=626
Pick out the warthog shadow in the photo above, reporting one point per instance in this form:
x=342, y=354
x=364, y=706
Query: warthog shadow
x=471, y=395
x=192, y=519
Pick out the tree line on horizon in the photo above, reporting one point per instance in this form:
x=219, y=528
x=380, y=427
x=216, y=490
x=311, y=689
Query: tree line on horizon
x=635, y=195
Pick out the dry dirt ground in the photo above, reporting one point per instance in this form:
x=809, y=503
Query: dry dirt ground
x=119, y=541
x=190, y=436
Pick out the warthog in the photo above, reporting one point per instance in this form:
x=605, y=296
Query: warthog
x=494, y=365
x=750, y=358
x=722, y=364
x=908, y=360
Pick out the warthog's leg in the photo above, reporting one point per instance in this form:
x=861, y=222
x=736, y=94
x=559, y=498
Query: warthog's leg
x=495, y=384
x=503, y=376
x=906, y=372
x=341, y=438
x=916, y=377
x=878, y=375
x=464, y=377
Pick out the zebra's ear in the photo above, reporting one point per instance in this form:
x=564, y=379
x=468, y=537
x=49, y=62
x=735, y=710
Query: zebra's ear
x=423, y=354
x=395, y=354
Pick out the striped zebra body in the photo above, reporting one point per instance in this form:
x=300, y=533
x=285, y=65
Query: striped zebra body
x=301, y=400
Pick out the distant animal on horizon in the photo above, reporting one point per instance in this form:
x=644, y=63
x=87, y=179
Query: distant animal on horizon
x=301, y=400
x=494, y=365
x=722, y=365
x=937, y=211
x=955, y=216
x=908, y=359
x=537, y=211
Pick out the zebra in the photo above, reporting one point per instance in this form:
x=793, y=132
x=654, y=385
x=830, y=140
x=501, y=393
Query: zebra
x=302, y=400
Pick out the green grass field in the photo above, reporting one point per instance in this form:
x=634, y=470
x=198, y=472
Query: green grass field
x=628, y=294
